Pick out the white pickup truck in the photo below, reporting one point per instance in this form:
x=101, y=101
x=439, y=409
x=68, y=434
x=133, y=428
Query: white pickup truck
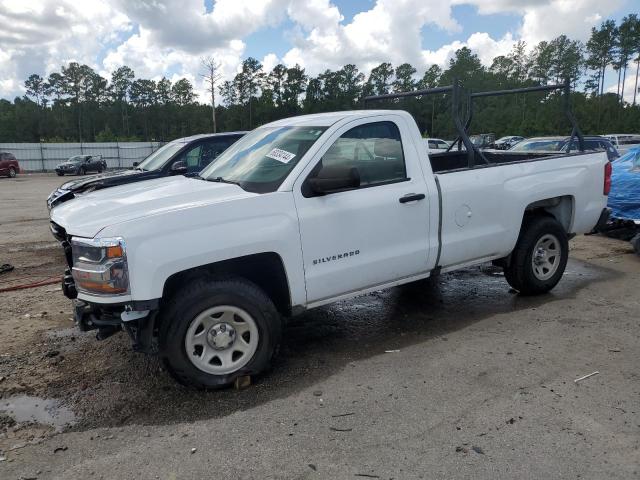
x=303, y=212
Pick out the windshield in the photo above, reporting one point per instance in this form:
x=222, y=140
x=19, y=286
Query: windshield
x=158, y=158
x=537, y=146
x=77, y=158
x=261, y=160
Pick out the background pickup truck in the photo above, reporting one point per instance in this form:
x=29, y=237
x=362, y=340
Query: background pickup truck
x=306, y=211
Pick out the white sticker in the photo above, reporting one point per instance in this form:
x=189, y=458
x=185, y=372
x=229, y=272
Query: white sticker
x=281, y=155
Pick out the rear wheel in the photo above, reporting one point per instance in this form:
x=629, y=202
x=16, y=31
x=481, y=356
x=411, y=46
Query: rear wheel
x=216, y=330
x=540, y=257
x=12, y=172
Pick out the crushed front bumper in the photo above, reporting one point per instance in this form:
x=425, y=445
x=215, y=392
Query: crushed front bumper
x=110, y=319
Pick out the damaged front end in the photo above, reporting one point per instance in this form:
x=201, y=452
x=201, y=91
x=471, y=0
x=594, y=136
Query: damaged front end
x=98, y=268
x=138, y=320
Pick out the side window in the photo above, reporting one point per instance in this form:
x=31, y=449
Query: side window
x=192, y=159
x=374, y=149
x=442, y=145
x=213, y=148
x=433, y=144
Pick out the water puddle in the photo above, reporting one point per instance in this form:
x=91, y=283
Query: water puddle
x=26, y=409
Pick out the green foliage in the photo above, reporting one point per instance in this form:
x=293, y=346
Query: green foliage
x=78, y=104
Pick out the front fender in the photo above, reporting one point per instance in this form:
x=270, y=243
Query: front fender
x=159, y=246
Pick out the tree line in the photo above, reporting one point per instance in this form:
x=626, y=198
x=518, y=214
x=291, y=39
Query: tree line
x=78, y=104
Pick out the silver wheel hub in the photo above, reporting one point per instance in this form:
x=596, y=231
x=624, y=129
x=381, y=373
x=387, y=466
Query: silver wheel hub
x=221, y=340
x=221, y=336
x=546, y=257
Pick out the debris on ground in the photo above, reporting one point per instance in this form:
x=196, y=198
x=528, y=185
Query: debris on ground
x=60, y=449
x=391, y=351
x=6, y=267
x=194, y=450
x=478, y=450
x=584, y=377
x=242, y=382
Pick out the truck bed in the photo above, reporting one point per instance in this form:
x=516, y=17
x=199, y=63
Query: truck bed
x=458, y=160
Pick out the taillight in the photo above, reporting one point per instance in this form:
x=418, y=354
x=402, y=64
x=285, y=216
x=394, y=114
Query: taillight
x=607, y=179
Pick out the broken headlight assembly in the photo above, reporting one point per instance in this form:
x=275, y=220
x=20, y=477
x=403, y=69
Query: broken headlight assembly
x=100, y=266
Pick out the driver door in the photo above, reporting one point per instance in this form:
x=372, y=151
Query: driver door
x=369, y=235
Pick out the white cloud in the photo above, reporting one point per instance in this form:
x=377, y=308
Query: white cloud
x=167, y=37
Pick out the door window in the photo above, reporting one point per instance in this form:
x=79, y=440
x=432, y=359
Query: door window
x=374, y=149
x=213, y=148
x=192, y=159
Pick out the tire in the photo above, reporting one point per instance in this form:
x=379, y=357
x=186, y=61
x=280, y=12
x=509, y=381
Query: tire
x=533, y=268
x=12, y=172
x=60, y=174
x=182, y=328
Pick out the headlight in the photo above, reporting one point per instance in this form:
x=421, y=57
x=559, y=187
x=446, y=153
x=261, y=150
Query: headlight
x=100, y=266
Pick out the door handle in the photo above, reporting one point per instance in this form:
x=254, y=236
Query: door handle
x=412, y=197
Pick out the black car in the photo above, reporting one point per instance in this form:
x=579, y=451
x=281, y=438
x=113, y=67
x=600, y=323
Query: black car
x=184, y=156
x=81, y=164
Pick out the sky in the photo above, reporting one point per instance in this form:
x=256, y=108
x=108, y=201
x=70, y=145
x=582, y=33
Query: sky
x=169, y=37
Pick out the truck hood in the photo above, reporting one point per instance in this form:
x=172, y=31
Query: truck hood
x=85, y=216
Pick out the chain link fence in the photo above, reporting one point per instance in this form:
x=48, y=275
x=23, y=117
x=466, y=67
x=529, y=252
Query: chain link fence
x=43, y=157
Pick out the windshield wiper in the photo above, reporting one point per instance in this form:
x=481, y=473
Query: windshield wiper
x=221, y=180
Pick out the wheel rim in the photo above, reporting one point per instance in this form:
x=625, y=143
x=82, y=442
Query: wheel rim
x=546, y=257
x=12, y=173
x=221, y=340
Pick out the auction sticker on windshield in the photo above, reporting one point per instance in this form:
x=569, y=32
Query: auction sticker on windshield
x=280, y=155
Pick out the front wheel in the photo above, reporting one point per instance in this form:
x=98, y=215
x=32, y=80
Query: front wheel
x=216, y=330
x=12, y=172
x=540, y=257
x=60, y=174
x=81, y=171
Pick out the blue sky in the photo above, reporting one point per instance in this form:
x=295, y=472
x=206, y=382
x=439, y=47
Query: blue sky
x=169, y=37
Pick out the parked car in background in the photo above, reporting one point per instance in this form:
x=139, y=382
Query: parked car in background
x=561, y=144
x=483, y=140
x=81, y=165
x=623, y=142
x=505, y=143
x=435, y=144
x=183, y=156
x=8, y=165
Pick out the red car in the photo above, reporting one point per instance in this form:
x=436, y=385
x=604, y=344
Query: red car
x=8, y=165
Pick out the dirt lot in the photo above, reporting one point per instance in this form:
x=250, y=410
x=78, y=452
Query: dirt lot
x=460, y=378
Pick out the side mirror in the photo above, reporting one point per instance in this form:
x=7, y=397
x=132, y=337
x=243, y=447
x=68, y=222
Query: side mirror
x=135, y=164
x=179, y=168
x=334, y=179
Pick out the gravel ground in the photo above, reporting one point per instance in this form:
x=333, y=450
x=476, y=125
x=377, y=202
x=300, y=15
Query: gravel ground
x=452, y=378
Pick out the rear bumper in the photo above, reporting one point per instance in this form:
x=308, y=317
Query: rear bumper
x=602, y=220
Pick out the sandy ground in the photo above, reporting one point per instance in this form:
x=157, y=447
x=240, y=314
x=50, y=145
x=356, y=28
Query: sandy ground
x=454, y=378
